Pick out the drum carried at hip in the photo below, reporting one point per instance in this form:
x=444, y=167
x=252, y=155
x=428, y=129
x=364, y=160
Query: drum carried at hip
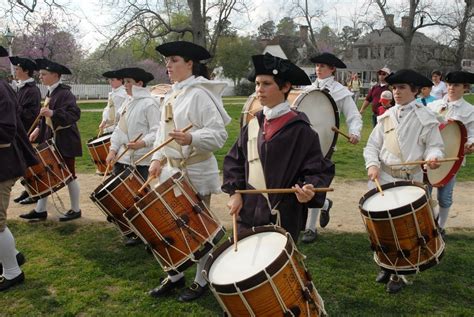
x=266, y=276
x=403, y=233
x=49, y=175
x=99, y=149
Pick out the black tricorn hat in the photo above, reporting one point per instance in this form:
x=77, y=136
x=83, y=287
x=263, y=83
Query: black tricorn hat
x=3, y=52
x=112, y=74
x=183, y=48
x=23, y=62
x=51, y=66
x=136, y=73
x=460, y=77
x=328, y=59
x=410, y=77
x=281, y=68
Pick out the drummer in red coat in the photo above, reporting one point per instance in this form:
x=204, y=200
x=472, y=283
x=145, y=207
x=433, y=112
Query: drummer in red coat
x=16, y=154
x=277, y=149
x=59, y=122
x=29, y=101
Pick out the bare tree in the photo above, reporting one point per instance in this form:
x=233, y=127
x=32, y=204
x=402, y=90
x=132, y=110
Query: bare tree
x=23, y=12
x=302, y=9
x=462, y=26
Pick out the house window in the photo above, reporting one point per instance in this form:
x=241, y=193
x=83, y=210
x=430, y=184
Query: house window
x=389, y=52
x=466, y=63
x=375, y=52
x=363, y=52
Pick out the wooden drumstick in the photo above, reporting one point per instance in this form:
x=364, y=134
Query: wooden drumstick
x=340, y=132
x=234, y=225
x=279, y=190
x=449, y=159
x=100, y=132
x=119, y=157
x=35, y=123
x=148, y=181
x=161, y=145
x=378, y=186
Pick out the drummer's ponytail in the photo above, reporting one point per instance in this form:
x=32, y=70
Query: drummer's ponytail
x=199, y=69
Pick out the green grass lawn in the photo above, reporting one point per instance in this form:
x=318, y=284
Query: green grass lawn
x=77, y=270
x=348, y=158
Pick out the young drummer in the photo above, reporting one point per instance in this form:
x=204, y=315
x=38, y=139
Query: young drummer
x=59, y=121
x=406, y=132
x=277, y=149
x=117, y=97
x=326, y=65
x=29, y=100
x=454, y=107
x=16, y=154
x=196, y=100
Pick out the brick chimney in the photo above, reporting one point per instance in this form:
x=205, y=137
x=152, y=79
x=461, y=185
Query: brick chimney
x=304, y=32
x=405, y=22
x=390, y=19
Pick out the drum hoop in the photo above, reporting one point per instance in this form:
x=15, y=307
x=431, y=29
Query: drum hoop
x=399, y=211
x=97, y=137
x=99, y=193
x=460, y=154
x=336, y=115
x=259, y=277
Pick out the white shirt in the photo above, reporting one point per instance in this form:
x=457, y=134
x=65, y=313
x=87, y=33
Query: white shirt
x=344, y=102
x=460, y=110
x=142, y=116
x=118, y=96
x=439, y=90
x=199, y=103
x=418, y=138
x=22, y=83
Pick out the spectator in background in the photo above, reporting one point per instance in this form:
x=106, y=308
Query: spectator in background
x=425, y=96
x=439, y=89
x=385, y=102
x=354, y=86
x=373, y=96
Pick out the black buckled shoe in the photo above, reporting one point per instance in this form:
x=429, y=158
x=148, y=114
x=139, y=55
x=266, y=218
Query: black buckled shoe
x=22, y=196
x=131, y=240
x=28, y=201
x=34, y=215
x=20, y=259
x=194, y=291
x=6, y=284
x=382, y=277
x=166, y=287
x=70, y=215
x=324, y=217
x=309, y=236
x=395, y=284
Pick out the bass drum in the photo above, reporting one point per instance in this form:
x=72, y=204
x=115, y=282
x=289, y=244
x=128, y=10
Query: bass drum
x=252, y=106
x=454, y=136
x=323, y=114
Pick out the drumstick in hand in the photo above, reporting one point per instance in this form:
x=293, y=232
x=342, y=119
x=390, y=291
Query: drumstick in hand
x=148, y=181
x=449, y=159
x=280, y=190
x=234, y=225
x=378, y=186
x=120, y=156
x=340, y=132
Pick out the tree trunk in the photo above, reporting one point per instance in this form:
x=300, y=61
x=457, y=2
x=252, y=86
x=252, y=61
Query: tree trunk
x=459, y=54
x=198, y=22
x=407, y=51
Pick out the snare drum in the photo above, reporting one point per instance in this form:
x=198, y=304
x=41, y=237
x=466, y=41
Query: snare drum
x=99, y=149
x=454, y=136
x=252, y=106
x=323, y=114
x=159, y=91
x=266, y=276
x=175, y=223
x=401, y=227
x=49, y=175
x=116, y=195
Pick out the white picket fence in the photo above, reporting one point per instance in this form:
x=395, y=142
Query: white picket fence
x=85, y=91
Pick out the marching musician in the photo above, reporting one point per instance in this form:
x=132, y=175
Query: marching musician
x=406, y=132
x=140, y=114
x=29, y=100
x=196, y=100
x=277, y=149
x=326, y=65
x=58, y=121
x=16, y=154
x=454, y=107
x=118, y=95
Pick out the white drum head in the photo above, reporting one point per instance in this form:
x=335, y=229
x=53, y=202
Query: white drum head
x=323, y=116
x=255, y=253
x=101, y=139
x=393, y=198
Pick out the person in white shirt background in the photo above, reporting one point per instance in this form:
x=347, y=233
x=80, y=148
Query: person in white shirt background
x=439, y=89
x=407, y=131
x=326, y=65
x=118, y=95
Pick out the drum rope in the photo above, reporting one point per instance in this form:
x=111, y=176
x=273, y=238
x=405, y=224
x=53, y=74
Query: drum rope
x=108, y=214
x=60, y=202
x=281, y=301
x=420, y=236
x=216, y=295
x=119, y=203
x=244, y=300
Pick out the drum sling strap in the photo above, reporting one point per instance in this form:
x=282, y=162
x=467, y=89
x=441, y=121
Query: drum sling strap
x=111, y=113
x=49, y=121
x=167, y=118
x=123, y=125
